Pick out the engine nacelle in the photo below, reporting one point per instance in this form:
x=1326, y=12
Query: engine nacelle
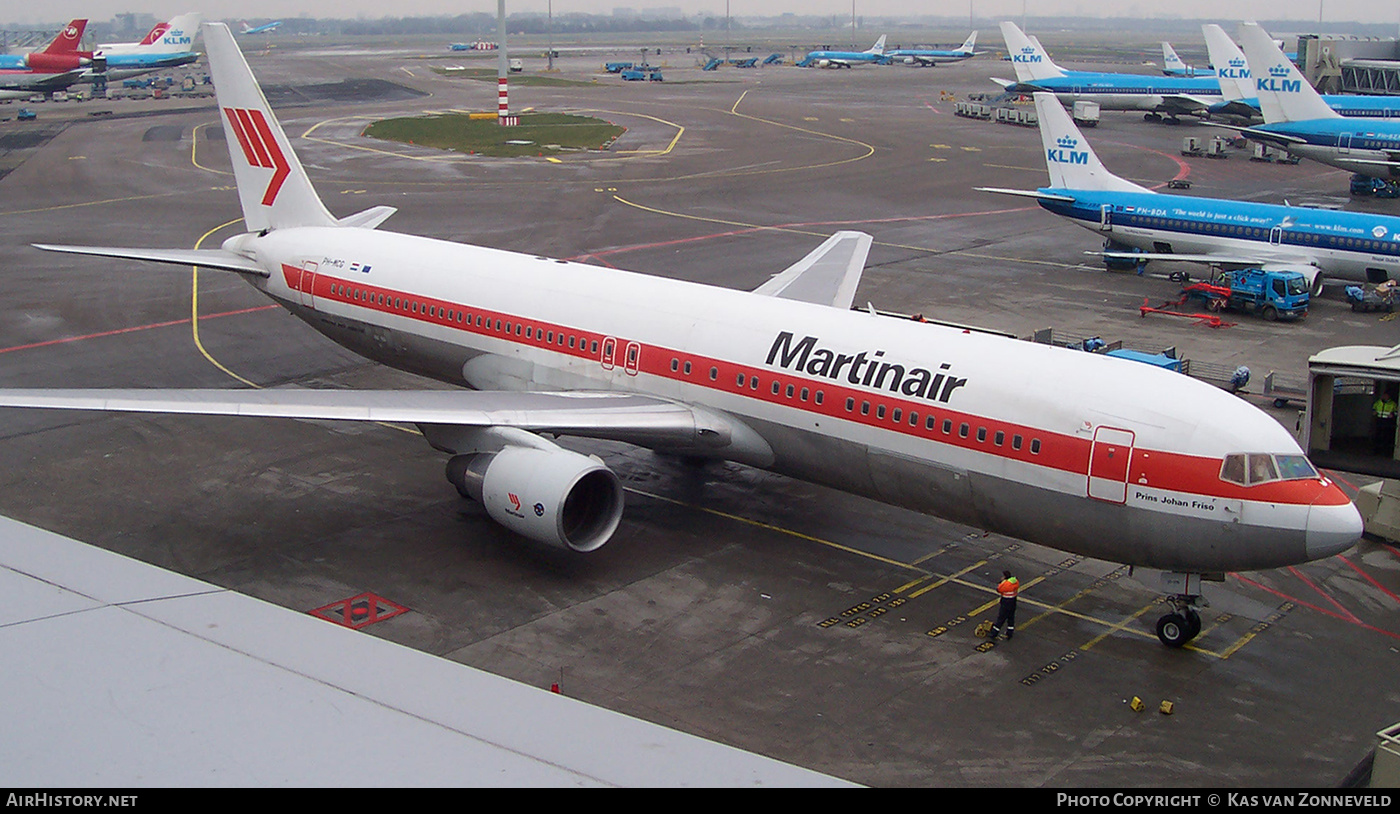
x=54, y=62
x=556, y=497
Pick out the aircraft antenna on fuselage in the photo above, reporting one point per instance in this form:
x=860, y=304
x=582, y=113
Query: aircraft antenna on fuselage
x=273, y=189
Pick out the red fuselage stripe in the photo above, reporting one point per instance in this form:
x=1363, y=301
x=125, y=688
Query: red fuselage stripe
x=1156, y=469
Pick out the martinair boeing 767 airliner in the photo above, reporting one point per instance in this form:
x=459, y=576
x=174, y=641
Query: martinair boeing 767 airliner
x=1099, y=456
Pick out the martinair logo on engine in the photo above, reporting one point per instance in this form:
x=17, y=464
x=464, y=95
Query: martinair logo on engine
x=1064, y=152
x=260, y=148
x=865, y=369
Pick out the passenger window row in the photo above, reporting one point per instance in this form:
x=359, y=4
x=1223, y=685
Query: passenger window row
x=508, y=327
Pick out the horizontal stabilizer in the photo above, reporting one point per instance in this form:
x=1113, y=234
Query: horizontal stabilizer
x=204, y=258
x=368, y=219
x=1028, y=193
x=827, y=276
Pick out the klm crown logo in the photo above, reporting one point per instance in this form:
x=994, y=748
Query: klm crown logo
x=1236, y=69
x=1064, y=153
x=176, y=36
x=1027, y=54
x=1277, y=81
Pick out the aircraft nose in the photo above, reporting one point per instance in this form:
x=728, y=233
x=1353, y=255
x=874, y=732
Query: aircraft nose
x=1332, y=529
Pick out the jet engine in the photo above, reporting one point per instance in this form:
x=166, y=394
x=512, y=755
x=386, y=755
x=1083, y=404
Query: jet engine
x=553, y=496
x=54, y=62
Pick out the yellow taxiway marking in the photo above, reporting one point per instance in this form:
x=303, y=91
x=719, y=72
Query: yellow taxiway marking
x=194, y=151
x=194, y=327
x=194, y=308
x=943, y=579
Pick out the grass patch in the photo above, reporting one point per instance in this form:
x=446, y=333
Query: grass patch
x=522, y=79
x=547, y=133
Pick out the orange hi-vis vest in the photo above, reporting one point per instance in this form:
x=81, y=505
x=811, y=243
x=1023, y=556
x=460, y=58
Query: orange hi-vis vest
x=1009, y=588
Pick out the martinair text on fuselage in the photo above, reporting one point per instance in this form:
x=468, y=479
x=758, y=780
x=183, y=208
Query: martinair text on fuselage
x=865, y=369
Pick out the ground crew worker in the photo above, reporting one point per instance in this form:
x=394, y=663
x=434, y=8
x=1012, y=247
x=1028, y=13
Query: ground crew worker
x=1006, y=612
x=1384, y=410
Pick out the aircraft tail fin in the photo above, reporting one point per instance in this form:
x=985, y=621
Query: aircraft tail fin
x=878, y=47
x=273, y=188
x=1284, y=93
x=970, y=44
x=1230, y=65
x=176, y=36
x=1027, y=56
x=1171, y=63
x=67, y=40
x=1070, y=160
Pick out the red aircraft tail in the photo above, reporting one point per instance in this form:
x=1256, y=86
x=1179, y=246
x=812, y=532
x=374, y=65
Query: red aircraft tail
x=67, y=40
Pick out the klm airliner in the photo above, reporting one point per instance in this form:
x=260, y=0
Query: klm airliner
x=1157, y=95
x=1237, y=86
x=845, y=59
x=932, y=57
x=1298, y=120
x=1172, y=65
x=1230, y=234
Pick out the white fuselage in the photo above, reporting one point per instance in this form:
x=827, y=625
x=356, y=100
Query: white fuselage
x=1081, y=452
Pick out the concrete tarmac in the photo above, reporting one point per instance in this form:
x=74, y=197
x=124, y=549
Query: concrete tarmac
x=801, y=623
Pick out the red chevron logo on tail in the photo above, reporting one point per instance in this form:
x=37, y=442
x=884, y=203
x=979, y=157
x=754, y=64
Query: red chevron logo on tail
x=259, y=147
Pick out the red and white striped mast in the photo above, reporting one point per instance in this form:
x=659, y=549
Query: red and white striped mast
x=503, y=116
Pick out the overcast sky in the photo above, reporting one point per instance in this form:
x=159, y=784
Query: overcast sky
x=1385, y=11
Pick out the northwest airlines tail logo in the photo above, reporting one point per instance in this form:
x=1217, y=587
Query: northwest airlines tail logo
x=260, y=148
x=156, y=34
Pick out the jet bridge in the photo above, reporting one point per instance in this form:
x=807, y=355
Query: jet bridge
x=1339, y=428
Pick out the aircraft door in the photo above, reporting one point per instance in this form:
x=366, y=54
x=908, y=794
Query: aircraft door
x=307, y=287
x=1109, y=455
x=608, y=355
x=1344, y=143
x=1106, y=218
x=633, y=360
x=1276, y=236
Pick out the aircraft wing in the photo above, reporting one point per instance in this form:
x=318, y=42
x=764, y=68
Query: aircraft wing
x=1393, y=161
x=827, y=276
x=617, y=416
x=40, y=81
x=205, y=258
x=1186, y=103
x=1267, y=136
x=1222, y=260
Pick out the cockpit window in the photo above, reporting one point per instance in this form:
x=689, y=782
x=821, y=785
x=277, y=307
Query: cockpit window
x=1256, y=468
x=1262, y=469
x=1295, y=467
x=1233, y=470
